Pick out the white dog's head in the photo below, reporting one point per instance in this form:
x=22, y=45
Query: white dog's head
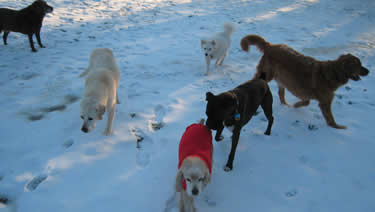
x=91, y=112
x=208, y=47
x=196, y=175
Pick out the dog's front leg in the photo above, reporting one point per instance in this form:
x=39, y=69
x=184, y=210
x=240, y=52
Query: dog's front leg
x=235, y=138
x=111, y=115
x=30, y=35
x=37, y=35
x=5, y=36
x=282, y=96
x=208, y=60
x=218, y=136
x=327, y=113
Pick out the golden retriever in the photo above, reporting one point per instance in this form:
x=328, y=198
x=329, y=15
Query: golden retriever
x=305, y=77
x=195, y=164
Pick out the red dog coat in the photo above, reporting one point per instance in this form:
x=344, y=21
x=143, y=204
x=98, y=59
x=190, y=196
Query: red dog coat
x=196, y=142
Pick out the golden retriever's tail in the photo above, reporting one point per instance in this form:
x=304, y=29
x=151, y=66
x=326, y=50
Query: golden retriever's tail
x=256, y=40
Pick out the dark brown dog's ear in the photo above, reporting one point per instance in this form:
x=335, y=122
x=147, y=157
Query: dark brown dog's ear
x=209, y=96
x=100, y=110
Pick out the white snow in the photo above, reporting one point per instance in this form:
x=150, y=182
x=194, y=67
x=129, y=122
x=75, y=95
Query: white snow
x=50, y=165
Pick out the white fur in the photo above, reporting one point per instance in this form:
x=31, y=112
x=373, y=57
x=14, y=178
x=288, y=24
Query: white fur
x=217, y=47
x=100, y=93
x=197, y=176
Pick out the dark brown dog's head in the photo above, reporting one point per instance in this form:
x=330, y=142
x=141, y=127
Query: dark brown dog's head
x=41, y=7
x=219, y=108
x=351, y=68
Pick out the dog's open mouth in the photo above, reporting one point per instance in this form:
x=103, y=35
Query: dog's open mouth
x=355, y=77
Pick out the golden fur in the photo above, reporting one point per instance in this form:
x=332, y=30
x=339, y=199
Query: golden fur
x=305, y=77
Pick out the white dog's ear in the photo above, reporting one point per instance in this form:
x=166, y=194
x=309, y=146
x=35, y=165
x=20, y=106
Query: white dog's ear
x=100, y=110
x=179, y=177
x=203, y=42
x=213, y=42
x=207, y=178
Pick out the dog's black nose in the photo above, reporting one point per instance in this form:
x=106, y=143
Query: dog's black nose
x=84, y=129
x=195, y=191
x=206, y=54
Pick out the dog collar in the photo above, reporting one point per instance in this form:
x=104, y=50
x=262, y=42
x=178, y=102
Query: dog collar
x=237, y=115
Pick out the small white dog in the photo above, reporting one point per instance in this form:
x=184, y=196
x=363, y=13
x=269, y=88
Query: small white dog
x=100, y=94
x=217, y=47
x=194, y=165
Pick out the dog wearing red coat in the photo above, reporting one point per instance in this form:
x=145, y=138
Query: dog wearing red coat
x=194, y=165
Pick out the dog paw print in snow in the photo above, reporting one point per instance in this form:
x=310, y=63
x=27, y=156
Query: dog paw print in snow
x=144, y=147
x=291, y=193
x=157, y=122
x=34, y=183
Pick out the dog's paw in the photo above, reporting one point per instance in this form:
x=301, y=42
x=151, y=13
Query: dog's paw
x=227, y=169
x=219, y=138
x=107, y=132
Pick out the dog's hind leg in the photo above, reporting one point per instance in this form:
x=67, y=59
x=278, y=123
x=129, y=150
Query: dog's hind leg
x=31, y=42
x=5, y=36
x=301, y=103
x=37, y=35
x=267, y=110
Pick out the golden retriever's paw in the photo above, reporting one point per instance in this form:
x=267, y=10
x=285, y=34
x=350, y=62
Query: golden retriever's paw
x=339, y=126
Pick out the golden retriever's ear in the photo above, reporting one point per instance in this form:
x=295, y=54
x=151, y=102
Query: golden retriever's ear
x=179, y=177
x=213, y=42
x=100, y=110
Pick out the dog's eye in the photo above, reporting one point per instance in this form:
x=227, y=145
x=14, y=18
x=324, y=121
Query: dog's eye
x=188, y=179
x=209, y=49
x=90, y=119
x=205, y=48
x=82, y=117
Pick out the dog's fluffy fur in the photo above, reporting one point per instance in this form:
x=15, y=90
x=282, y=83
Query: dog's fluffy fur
x=235, y=108
x=27, y=21
x=100, y=93
x=217, y=47
x=305, y=77
x=197, y=175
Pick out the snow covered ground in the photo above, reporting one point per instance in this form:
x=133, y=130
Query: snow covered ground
x=48, y=164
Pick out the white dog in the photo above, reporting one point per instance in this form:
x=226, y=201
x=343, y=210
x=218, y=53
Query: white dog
x=217, y=47
x=195, y=164
x=100, y=94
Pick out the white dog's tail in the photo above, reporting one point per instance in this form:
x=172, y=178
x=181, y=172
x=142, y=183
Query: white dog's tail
x=228, y=28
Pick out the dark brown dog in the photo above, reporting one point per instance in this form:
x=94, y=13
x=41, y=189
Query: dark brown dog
x=235, y=108
x=304, y=76
x=27, y=21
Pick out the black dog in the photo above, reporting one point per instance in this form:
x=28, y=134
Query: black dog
x=27, y=21
x=235, y=108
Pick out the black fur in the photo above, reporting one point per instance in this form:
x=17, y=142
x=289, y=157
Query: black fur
x=243, y=100
x=27, y=21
